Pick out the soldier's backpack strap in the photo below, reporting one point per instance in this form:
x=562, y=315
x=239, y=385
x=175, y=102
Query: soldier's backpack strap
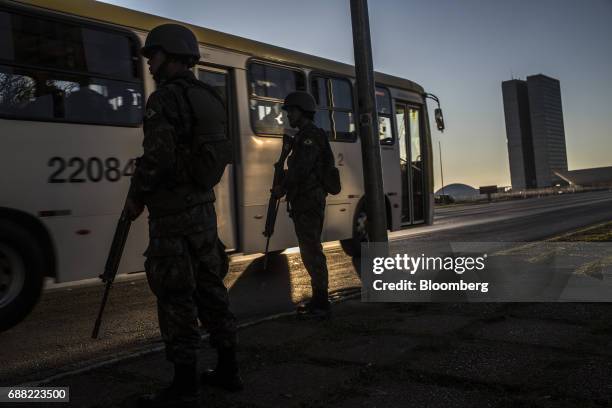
x=329, y=174
x=184, y=85
x=208, y=149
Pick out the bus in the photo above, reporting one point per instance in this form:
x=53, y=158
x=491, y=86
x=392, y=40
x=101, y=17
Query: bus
x=72, y=93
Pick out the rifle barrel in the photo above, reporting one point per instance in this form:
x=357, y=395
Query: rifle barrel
x=112, y=264
x=273, y=202
x=96, y=330
x=265, y=265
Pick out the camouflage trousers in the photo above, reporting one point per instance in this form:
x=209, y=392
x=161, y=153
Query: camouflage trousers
x=185, y=272
x=308, y=214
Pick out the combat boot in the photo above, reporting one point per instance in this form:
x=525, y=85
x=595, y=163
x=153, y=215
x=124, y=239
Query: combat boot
x=226, y=375
x=317, y=308
x=183, y=392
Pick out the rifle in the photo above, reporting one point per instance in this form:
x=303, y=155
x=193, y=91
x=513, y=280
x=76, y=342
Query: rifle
x=274, y=202
x=112, y=264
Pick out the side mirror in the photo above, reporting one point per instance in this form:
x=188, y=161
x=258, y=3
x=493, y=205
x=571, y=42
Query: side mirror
x=437, y=112
x=439, y=119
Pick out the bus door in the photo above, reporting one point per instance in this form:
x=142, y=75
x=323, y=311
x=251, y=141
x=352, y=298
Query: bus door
x=412, y=165
x=224, y=191
x=389, y=155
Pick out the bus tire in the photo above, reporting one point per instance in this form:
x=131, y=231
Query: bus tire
x=21, y=273
x=352, y=246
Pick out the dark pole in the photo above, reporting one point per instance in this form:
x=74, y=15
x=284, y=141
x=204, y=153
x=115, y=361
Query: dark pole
x=441, y=173
x=368, y=123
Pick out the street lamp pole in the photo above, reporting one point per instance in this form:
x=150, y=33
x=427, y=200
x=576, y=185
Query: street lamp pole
x=441, y=173
x=368, y=124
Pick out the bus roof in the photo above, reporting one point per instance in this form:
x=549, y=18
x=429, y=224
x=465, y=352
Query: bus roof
x=109, y=13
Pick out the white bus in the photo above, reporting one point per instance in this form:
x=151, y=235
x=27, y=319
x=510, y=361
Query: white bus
x=72, y=91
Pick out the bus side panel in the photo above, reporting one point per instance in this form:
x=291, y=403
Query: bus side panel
x=392, y=182
x=83, y=256
x=222, y=57
x=284, y=233
x=341, y=208
x=76, y=176
x=338, y=221
x=225, y=208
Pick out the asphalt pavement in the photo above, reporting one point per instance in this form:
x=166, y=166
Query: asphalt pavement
x=55, y=338
x=397, y=355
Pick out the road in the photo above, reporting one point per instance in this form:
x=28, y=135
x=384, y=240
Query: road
x=56, y=336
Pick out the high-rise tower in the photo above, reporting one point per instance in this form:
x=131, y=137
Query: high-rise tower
x=535, y=131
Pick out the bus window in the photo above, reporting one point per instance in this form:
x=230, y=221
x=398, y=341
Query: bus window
x=60, y=71
x=342, y=95
x=218, y=80
x=319, y=92
x=7, y=51
x=322, y=117
x=269, y=87
x=335, y=115
x=383, y=106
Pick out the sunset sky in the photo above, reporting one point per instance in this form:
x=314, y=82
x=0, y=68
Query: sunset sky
x=460, y=50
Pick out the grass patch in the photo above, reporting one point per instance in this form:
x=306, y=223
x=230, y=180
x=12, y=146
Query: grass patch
x=595, y=233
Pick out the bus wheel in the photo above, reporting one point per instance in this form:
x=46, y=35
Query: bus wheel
x=21, y=273
x=352, y=246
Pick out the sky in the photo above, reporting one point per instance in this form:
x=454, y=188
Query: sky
x=460, y=50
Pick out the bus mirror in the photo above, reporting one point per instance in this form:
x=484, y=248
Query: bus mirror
x=439, y=119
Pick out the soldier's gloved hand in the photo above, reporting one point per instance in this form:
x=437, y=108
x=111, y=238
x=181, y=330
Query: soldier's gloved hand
x=278, y=191
x=133, y=208
x=287, y=141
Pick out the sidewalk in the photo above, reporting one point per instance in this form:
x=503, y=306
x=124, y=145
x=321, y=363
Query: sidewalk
x=399, y=355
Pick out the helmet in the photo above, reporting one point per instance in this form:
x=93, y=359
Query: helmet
x=172, y=39
x=302, y=100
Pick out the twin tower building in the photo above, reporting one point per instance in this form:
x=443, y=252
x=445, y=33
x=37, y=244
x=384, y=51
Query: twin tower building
x=535, y=132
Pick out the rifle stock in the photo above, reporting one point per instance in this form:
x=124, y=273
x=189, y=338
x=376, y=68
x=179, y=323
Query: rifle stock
x=112, y=264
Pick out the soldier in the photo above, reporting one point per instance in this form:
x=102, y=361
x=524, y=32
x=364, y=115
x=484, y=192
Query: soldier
x=306, y=197
x=185, y=262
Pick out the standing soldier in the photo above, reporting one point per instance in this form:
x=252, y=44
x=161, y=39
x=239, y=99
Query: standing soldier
x=306, y=196
x=185, y=262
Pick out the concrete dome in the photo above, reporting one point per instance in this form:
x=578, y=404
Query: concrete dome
x=459, y=191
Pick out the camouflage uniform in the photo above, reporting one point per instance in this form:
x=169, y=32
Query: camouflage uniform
x=186, y=262
x=306, y=204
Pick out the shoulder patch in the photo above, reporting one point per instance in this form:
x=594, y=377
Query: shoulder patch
x=149, y=113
